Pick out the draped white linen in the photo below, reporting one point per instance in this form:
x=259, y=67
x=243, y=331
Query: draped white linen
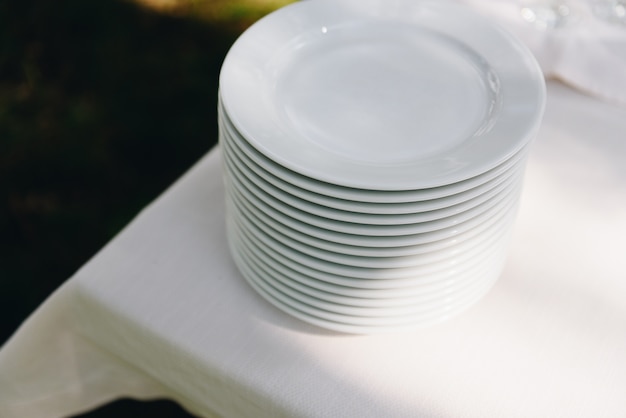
x=162, y=312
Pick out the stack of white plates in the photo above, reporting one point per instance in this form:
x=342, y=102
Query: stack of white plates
x=373, y=158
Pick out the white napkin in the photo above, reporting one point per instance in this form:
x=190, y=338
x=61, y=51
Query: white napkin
x=582, y=43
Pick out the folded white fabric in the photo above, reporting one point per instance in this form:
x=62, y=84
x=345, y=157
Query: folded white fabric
x=582, y=43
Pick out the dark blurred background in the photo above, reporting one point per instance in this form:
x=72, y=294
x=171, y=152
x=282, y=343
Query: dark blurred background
x=103, y=104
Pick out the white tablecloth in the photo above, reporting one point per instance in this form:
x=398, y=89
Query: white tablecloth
x=162, y=311
x=570, y=39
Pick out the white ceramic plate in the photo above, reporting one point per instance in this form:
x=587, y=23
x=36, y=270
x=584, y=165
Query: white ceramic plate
x=449, y=254
x=372, y=241
x=260, y=217
x=457, y=199
x=372, y=199
x=369, y=277
x=382, y=94
x=357, y=288
x=377, y=298
x=253, y=192
x=359, y=325
x=508, y=179
x=304, y=315
x=423, y=305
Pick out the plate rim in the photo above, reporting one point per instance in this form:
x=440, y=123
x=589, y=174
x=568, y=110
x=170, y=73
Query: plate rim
x=242, y=70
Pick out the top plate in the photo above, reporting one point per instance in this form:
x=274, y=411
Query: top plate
x=382, y=95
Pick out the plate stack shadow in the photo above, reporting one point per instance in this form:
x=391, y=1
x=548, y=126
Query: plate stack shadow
x=374, y=154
